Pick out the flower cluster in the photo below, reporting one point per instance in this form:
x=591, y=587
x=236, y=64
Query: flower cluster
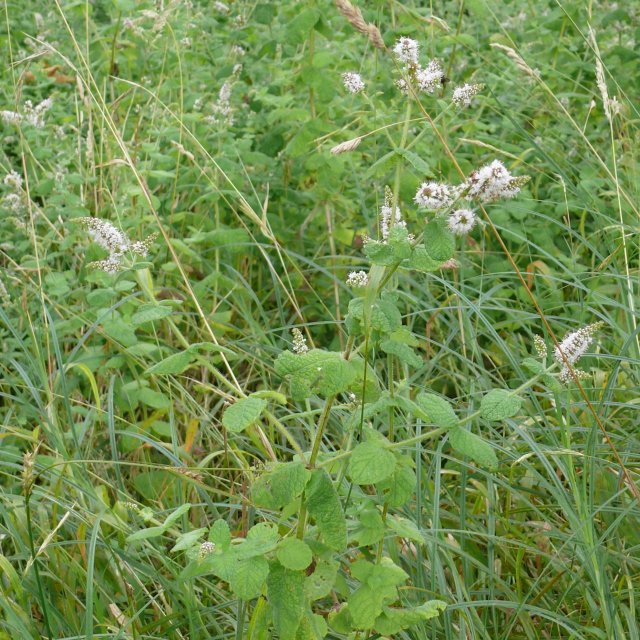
x=492, y=182
x=572, y=348
x=30, y=115
x=426, y=79
x=299, y=344
x=389, y=217
x=115, y=241
x=358, y=279
x=434, y=195
x=463, y=95
x=206, y=548
x=353, y=82
x=461, y=221
x=15, y=201
x=222, y=111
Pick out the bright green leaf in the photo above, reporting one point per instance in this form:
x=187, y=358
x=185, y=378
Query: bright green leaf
x=243, y=414
x=499, y=404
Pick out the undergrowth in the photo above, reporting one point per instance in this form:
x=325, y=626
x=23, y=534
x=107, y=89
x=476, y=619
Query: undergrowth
x=319, y=320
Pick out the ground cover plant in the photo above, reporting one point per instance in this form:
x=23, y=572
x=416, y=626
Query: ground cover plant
x=319, y=320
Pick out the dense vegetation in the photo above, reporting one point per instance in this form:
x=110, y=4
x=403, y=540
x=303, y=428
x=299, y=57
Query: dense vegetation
x=289, y=353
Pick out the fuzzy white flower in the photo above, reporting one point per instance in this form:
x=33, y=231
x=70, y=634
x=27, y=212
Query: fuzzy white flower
x=433, y=195
x=573, y=347
x=206, y=548
x=463, y=95
x=299, y=344
x=358, y=279
x=13, y=180
x=406, y=50
x=353, y=82
x=389, y=217
x=115, y=241
x=221, y=7
x=430, y=78
x=461, y=221
x=492, y=182
x=11, y=117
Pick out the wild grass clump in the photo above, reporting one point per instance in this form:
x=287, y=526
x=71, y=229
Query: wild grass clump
x=319, y=320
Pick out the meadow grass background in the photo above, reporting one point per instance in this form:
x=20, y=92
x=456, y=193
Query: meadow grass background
x=258, y=226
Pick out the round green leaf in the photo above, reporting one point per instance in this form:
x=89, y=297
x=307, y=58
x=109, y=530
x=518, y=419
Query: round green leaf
x=371, y=463
x=294, y=554
x=469, y=444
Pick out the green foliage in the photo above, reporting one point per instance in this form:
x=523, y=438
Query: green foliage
x=134, y=501
x=325, y=373
x=469, y=444
x=243, y=414
x=499, y=404
x=323, y=504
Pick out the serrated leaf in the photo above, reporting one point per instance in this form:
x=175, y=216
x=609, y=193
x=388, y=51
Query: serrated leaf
x=370, y=529
x=403, y=352
x=294, y=554
x=279, y=485
x=392, y=621
x=323, y=372
x=249, y=577
x=499, y=404
x=243, y=414
x=439, y=243
x=420, y=260
x=320, y=583
x=393, y=250
x=150, y=313
x=439, y=410
x=262, y=538
x=469, y=444
x=172, y=365
x=285, y=590
x=399, y=486
x=370, y=463
x=323, y=505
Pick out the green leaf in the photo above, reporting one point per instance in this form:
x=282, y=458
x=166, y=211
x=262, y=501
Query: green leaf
x=187, y=540
x=420, y=260
x=398, y=488
x=279, y=485
x=323, y=372
x=395, y=249
x=323, y=505
x=220, y=535
x=499, y=404
x=294, y=554
x=285, y=590
x=370, y=529
x=370, y=463
x=383, y=315
x=145, y=534
x=320, y=583
x=262, y=538
x=249, y=577
x=155, y=399
x=439, y=410
x=243, y=414
x=438, y=241
x=392, y=621
x=300, y=27
x=403, y=352
x=537, y=367
x=405, y=528
x=172, y=365
x=469, y=444
x=149, y=313
x=379, y=587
